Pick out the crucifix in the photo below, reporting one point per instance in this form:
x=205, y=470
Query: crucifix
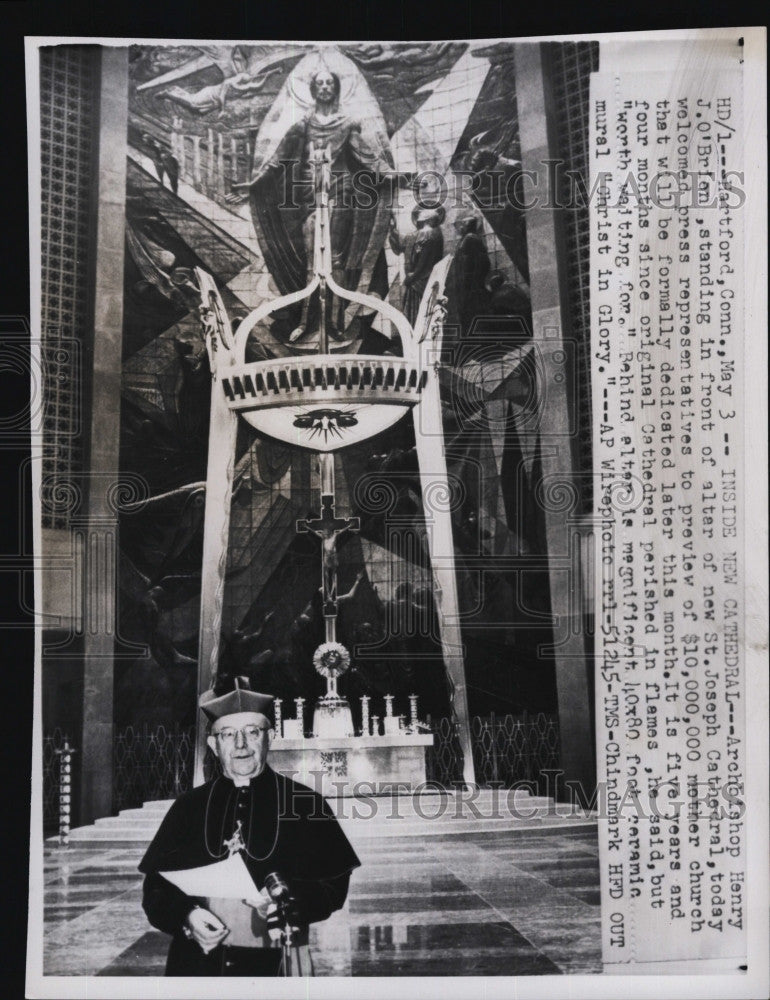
x=328, y=527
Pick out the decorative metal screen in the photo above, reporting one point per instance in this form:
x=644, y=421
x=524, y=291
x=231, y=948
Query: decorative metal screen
x=151, y=764
x=570, y=65
x=444, y=760
x=68, y=124
x=506, y=750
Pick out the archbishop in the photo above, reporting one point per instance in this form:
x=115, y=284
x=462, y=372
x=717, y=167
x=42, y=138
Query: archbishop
x=285, y=833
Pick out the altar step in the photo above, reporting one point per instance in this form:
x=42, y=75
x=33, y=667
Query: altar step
x=429, y=814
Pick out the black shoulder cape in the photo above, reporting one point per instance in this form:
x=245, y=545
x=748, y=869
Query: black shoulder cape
x=287, y=828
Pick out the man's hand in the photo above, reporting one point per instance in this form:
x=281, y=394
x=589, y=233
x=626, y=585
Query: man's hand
x=206, y=929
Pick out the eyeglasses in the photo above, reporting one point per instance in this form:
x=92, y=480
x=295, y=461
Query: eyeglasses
x=251, y=734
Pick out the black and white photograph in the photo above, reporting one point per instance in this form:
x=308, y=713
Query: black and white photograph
x=398, y=543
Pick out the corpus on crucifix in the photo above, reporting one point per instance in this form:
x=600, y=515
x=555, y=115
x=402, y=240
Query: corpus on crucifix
x=327, y=527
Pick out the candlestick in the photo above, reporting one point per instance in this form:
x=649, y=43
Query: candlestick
x=300, y=703
x=278, y=719
x=365, y=714
x=413, y=711
x=65, y=788
x=388, y=705
x=375, y=725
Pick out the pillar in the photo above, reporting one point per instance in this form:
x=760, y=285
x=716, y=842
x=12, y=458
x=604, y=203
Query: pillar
x=102, y=460
x=436, y=499
x=223, y=429
x=552, y=334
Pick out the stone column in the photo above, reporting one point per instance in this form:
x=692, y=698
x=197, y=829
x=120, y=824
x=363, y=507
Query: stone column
x=436, y=503
x=552, y=334
x=102, y=461
x=223, y=429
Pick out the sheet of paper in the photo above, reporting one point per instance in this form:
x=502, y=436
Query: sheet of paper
x=228, y=879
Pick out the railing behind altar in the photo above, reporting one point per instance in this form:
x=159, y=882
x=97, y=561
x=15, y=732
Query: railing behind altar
x=151, y=764
x=157, y=763
x=507, y=750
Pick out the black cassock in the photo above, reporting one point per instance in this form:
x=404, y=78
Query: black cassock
x=286, y=828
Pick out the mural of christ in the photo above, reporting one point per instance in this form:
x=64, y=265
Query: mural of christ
x=282, y=190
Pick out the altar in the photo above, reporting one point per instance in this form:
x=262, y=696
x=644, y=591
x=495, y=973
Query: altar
x=354, y=765
x=336, y=762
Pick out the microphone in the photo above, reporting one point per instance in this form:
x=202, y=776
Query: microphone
x=278, y=890
x=280, y=894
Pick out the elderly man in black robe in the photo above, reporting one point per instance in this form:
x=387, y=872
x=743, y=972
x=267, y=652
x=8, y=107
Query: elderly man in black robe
x=278, y=826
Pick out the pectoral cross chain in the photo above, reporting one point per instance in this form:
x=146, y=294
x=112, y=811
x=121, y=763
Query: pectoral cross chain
x=235, y=843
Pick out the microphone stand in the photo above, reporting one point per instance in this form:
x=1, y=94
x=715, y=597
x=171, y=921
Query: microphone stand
x=287, y=942
x=279, y=892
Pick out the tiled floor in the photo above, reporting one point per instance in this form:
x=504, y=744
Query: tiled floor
x=517, y=903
